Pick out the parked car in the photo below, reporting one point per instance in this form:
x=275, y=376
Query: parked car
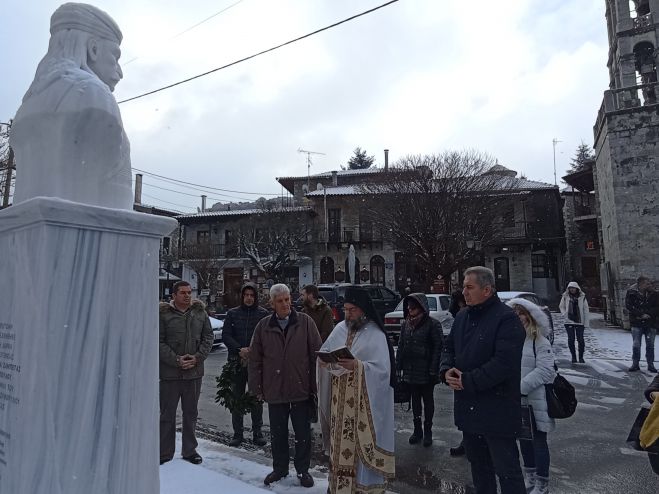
x=531, y=297
x=438, y=303
x=384, y=299
x=217, y=326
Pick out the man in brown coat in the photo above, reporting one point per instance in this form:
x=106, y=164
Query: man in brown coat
x=186, y=339
x=316, y=307
x=282, y=372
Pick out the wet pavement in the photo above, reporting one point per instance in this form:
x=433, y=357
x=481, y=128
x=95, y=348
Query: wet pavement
x=589, y=452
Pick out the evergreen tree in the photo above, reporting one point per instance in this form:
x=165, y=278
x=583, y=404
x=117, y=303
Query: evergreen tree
x=583, y=154
x=360, y=160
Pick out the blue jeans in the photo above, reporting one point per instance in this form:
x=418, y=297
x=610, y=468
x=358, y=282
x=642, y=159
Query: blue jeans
x=637, y=336
x=536, y=453
x=571, y=330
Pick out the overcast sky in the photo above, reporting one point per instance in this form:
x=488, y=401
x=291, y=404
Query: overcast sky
x=418, y=76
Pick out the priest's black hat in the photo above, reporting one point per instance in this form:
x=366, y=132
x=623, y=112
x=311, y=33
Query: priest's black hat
x=356, y=295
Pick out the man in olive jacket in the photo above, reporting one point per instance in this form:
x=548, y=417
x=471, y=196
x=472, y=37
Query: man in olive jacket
x=316, y=307
x=282, y=371
x=186, y=338
x=481, y=362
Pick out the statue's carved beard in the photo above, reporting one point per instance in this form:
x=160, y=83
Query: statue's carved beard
x=358, y=323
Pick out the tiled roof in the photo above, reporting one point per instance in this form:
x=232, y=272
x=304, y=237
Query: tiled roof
x=243, y=212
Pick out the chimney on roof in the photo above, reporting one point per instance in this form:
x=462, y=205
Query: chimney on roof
x=335, y=178
x=386, y=160
x=203, y=203
x=138, y=188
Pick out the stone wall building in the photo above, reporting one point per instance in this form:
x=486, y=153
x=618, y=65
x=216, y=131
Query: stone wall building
x=626, y=135
x=580, y=214
x=526, y=255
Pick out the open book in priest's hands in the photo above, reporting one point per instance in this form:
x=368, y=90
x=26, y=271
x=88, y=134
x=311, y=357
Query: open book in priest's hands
x=333, y=356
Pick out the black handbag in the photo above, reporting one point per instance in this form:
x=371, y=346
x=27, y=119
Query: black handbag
x=526, y=432
x=313, y=408
x=402, y=391
x=560, y=395
x=561, y=398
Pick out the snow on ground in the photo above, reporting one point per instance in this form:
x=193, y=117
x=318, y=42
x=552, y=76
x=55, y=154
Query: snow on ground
x=229, y=470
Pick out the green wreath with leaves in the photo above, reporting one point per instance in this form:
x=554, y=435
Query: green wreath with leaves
x=225, y=397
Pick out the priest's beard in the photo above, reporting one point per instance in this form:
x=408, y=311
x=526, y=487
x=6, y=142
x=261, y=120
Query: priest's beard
x=358, y=323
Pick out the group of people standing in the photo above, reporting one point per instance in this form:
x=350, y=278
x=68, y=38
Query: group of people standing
x=497, y=358
x=277, y=352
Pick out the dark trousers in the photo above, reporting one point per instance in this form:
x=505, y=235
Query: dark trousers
x=186, y=390
x=536, y=453
x=490, y=456
x=299, y=412
x=423, y=392
x=572, y=330
x=238, y=388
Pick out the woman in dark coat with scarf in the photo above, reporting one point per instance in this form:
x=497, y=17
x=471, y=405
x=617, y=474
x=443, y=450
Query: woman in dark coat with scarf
x=418, y=357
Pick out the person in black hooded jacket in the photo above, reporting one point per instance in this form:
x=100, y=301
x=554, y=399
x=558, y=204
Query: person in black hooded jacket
x=237, y=335
x=418, y=356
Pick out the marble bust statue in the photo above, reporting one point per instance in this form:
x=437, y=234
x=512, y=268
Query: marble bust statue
x=67, y=136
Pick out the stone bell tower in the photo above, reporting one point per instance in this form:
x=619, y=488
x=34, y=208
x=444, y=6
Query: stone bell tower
x=626, y=134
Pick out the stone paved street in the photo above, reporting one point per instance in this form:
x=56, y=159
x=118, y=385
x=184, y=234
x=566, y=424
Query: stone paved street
x=589, y=453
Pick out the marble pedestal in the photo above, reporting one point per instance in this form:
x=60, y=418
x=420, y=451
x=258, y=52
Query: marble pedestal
x=78, y=349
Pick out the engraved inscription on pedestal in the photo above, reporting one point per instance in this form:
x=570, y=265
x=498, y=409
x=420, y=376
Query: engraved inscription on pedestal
x=9, y=372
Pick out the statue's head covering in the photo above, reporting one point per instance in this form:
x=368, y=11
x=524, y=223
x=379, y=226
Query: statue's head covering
x=87, y=18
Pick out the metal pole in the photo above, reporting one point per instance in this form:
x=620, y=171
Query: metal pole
x=554, y=142
x=8, y=177
x=10, y=169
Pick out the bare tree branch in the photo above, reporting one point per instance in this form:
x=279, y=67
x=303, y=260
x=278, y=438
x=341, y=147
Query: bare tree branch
x=436, y=203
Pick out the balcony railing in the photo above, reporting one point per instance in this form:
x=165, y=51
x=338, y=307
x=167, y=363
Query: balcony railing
x=625, y=98
x=583, y=210
x=644, y=21
x=350, y=235
x=509, y=231
x=204, y=251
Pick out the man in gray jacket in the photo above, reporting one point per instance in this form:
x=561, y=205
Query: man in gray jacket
x=186, y=338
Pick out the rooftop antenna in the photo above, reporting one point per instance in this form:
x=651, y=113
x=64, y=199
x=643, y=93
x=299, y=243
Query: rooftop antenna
x=554, y=142
x=309, y=153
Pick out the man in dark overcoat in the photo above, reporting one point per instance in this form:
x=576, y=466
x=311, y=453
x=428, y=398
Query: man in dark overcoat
x=481, y=362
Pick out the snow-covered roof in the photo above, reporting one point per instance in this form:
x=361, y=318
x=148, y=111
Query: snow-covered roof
x=340, y=173
x=517, y=184
x=243, y=212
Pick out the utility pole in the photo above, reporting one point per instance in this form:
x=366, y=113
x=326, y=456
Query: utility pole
x=9, y=171
x=309, y=153
x=554, y=142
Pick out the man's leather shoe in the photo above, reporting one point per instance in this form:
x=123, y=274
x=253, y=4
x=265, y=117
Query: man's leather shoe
x=306, y=480
x=259, y=440
x=195, y=459
x=274, y=476
x=634, y=368
x=652, y=368
x=236, y=441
